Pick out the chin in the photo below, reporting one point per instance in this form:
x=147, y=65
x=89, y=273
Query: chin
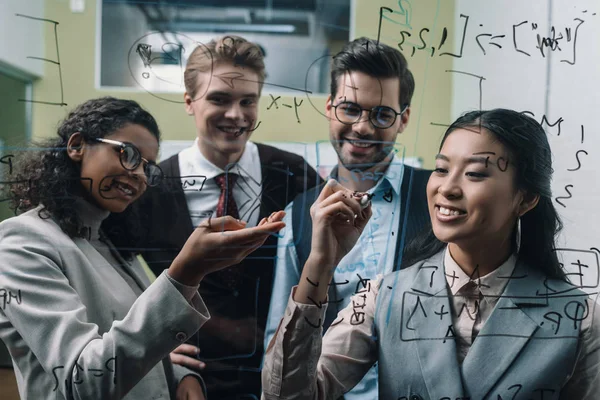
x=446, y=235
x=232, y=147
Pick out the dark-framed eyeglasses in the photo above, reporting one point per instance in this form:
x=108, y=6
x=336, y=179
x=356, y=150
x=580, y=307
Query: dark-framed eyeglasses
x=381, y=117
x=131, y=157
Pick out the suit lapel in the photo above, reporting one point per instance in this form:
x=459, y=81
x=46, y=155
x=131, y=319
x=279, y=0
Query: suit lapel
x=264, y=156
x=430, y=315
x=138, y=274
x=182, y=218
x=504, y=334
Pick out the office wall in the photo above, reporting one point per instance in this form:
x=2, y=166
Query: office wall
x=13, y=128
x=22, y=37
x=77, y=38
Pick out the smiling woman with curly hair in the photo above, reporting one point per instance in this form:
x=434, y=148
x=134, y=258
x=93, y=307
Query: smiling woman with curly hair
x=82, y=321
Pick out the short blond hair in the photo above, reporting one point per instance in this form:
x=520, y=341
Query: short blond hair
x=232, y=49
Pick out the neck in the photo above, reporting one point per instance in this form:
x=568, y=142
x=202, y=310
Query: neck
x=362, y=181
x=220, y=159
x=480, y=260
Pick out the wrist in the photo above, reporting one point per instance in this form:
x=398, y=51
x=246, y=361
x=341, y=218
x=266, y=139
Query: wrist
x=321, y=266
x=183, y=273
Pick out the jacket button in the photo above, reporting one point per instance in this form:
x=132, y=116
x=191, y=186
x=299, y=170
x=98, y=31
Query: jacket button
x=181, y=336
x=415, y=397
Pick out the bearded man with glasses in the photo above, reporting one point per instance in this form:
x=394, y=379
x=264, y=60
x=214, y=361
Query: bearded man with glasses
x=369, y=105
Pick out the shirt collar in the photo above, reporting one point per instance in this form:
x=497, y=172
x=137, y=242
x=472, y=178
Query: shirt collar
x=199, y=165
x=491, y=285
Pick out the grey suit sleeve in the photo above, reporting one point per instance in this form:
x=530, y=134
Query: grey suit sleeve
x=53, y=322
x=181, y=372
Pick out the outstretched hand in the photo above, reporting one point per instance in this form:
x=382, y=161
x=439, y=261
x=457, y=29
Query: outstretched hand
x=219, y=243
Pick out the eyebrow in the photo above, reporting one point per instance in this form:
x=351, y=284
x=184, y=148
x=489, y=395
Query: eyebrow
x=227, y=94
x=470, y=160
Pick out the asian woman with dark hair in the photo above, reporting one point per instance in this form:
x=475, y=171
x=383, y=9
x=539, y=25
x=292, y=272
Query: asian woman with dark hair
x=483, y=309
x=82, y=321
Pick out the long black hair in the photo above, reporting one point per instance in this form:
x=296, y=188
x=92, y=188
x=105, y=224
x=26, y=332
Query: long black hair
x=49, y=176
x=529, y=151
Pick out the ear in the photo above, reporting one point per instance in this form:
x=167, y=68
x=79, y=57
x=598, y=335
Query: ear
x=528, y=203
x=76, y=147
x=188, y=103
x=328, y=104
x=404, y=120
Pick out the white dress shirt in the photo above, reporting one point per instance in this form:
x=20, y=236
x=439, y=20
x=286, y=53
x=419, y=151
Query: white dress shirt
x=473, y=298
x=202, y=192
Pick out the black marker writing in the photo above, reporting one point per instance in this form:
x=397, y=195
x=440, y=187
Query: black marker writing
x=273, y=102
x=7, y=296
x=462, y=40
x=7, y=159
x=56, y=62
x=558, y=199
x=574, y=39
x=578, y=160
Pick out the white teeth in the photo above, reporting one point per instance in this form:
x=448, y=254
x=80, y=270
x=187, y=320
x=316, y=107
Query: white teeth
x=125, y=189
x=447, y=211
x=360, y=144
x=232, y=130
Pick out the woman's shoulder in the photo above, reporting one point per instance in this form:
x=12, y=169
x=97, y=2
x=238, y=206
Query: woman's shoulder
x=33, y=226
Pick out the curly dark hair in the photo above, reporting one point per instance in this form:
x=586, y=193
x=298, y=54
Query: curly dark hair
x=49, y=177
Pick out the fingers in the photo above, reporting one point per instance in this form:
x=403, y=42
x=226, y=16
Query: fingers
x=256, y=233
x=363, y=217
x=346, y=197
x=226, y=223
x=187, y=349
x=186, y=361
x=332, y=186
x=338, y=210
x=274, y=217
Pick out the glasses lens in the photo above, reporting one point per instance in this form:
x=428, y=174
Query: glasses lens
x=154, y=174
x=348, y=113
x=130, y=157
x=383, y=117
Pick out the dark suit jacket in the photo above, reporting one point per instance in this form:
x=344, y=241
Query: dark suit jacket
x=231, y=342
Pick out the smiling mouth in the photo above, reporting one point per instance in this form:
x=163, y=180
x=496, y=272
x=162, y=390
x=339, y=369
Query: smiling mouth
x=233, y=130
x=124, y=188
x=450, y=211
x=360, y=143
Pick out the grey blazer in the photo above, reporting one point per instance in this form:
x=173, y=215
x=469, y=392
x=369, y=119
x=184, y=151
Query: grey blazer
x=74, y=327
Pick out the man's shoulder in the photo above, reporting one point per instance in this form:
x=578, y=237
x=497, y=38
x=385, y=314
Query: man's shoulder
x=170, y=164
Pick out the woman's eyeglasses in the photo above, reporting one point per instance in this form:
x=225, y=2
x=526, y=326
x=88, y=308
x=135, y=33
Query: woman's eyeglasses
x=382, y=117
x=131, y=158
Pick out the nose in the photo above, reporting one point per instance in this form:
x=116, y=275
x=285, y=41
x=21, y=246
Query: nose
x=363, y=126
x=139, y=172
x=450, y=188
x=234, y=112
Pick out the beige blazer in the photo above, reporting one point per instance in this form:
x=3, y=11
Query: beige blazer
x=74, y=327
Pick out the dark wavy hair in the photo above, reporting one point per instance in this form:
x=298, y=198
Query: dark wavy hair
x=49, y=176
x=375, y=59
x=529, y=151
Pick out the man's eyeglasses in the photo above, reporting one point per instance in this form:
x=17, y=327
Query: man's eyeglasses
x=131, y=158
x=381, y=117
